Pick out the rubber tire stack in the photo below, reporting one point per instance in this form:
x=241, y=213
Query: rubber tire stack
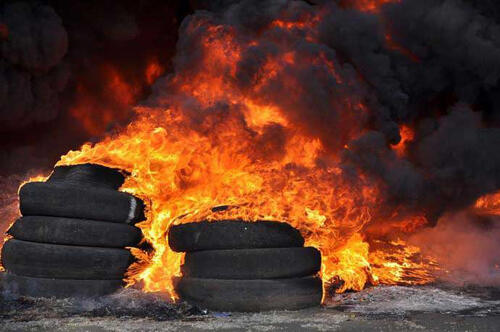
x=71, y=239
x=242, y=266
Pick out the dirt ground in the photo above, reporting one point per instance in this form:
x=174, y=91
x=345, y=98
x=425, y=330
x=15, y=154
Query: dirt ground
x=389, y=308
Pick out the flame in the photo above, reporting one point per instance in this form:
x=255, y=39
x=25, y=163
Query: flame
x=183, y=176
x=95, y=114
x=6, y=237
x=369, y=5
x=407, y=135
x=209, y=143
x=401, y=264
x=393, y=45
x=36, y=178
x=153, y=70
x=488, y=204
x=348, y=267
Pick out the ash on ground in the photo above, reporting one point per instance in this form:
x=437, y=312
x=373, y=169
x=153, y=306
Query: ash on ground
x=403, y=300
x=128, y=303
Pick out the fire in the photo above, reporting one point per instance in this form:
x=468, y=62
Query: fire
x=183, y=176
x=117, y=96
x=400, y=263
x=210, y=143
x=153, y=71
x=6, y=237
x=407, y=135
x=393, y=45
x=367, y=5
x=488, y=204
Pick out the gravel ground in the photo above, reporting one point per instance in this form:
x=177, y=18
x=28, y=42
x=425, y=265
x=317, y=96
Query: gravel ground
x=394, y=308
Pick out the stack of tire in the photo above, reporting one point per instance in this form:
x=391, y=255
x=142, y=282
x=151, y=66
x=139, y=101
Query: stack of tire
x=71, y=238
x=233, y=265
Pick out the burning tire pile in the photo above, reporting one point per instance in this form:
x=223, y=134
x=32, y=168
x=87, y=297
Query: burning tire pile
x=71, y=239
x=71, y=242
x=241, y=266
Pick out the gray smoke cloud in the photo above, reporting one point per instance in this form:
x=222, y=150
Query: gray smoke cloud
x=475, y=259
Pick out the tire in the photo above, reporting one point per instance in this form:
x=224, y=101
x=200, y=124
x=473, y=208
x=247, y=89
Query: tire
x=63, y=200
x=88, y=175
x=59, y=288
x=80, y=232
x=251, y=295
x=42, y=260
x=233, y=234
x=252, y=263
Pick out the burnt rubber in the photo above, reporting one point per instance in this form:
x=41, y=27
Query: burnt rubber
x=81, y=232
x=66, y=200
x=268, y=263
x=88, y=175
x=251, y=295
x=233, y=234
x=42, y=260
x=59, y=288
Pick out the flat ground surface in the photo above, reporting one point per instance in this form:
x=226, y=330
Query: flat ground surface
x=389, y=308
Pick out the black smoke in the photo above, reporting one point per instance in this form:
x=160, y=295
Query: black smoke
x=33, y=72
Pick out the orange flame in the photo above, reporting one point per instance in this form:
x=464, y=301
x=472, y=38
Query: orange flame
x=400, y=263
x=6, y=237
x=370, y=5
x=393, y=45
x=488, y=204
x=96, y=114
x=153, y=71
x=407, y=136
